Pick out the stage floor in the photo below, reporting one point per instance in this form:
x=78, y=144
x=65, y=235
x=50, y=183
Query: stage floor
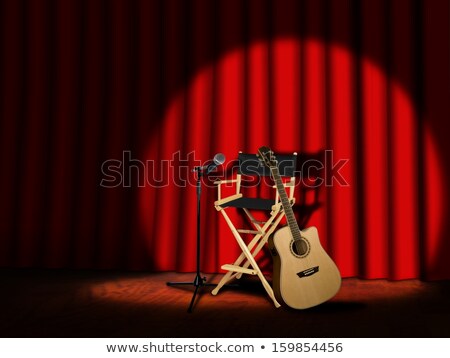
x=65, y=303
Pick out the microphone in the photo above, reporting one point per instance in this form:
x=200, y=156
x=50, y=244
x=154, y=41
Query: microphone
x=218, y=159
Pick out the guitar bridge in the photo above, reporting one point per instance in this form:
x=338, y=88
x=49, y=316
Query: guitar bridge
x=308, y=272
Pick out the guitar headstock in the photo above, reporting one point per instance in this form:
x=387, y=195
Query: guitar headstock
x=266, y=156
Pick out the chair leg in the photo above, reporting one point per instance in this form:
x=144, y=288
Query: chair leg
x=255, y=239
x=251, y=260
x=266, y=236
x=242, y=256
x=225, y=279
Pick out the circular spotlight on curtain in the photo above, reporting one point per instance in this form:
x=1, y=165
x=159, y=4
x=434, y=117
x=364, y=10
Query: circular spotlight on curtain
x=380, y=202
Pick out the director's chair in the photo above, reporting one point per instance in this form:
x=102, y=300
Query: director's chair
x=249, y=165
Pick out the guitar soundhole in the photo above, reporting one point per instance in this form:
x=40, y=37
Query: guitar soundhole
x=300, y=248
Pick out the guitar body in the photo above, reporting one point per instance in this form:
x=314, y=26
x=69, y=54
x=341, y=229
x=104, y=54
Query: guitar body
x=304, y=277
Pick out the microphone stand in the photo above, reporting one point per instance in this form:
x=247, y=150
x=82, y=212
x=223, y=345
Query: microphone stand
x=199, y=281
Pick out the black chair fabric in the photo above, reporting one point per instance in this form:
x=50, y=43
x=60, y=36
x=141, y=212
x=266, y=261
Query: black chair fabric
x=250, y=203
x=249, y=164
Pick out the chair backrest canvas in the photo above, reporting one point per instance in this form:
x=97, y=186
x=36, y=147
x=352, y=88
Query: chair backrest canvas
x=249, y=164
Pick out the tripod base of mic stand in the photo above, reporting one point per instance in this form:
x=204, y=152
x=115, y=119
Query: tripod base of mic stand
x=198, y=282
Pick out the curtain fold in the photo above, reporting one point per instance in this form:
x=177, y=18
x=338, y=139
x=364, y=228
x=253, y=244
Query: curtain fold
x=106, y=106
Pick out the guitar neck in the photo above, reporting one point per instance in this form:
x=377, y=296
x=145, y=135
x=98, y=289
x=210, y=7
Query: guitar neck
x=285, y=202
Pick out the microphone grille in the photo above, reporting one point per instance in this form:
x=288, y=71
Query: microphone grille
x=219, y=159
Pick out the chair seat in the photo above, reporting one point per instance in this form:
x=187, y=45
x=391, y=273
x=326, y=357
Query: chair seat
x=250, y=203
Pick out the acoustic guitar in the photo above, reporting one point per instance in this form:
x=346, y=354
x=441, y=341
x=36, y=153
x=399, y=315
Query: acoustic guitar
x=303, y=274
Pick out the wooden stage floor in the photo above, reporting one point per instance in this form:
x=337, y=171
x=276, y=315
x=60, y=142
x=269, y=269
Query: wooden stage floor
x=65, y=303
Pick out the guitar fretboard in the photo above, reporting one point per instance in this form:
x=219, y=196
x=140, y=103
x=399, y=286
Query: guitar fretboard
x=289, y=213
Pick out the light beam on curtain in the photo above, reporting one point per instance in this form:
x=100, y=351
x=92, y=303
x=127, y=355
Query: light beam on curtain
x=310, y=95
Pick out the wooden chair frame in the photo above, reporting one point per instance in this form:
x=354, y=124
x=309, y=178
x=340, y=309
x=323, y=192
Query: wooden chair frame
x=246, y=263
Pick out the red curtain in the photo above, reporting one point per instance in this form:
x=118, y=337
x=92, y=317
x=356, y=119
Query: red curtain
x=144, y=90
